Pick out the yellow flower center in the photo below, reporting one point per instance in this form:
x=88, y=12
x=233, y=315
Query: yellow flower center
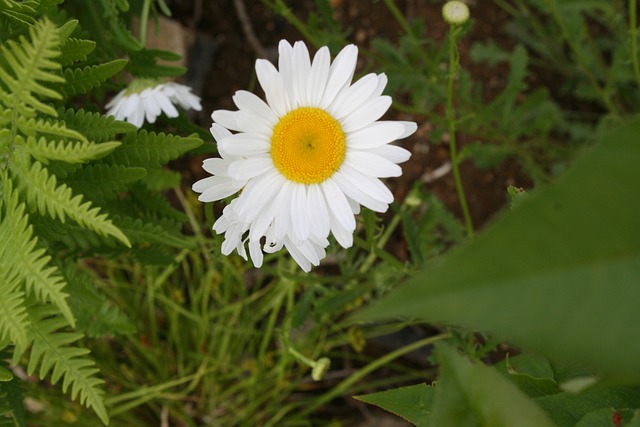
x=308, y=145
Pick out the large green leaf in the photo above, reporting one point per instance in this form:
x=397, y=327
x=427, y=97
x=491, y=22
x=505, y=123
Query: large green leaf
x=473, y=395
x=559, y=274
x=413, y=403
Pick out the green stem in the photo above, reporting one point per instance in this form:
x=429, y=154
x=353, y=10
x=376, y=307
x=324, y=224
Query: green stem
x=144, y=18
x=451, y=120
x=342, y=388
x=382, y=241
x=633, y=8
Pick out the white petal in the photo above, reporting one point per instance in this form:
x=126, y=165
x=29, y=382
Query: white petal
x=338, y=204
x=204, y=183
x=299, y=218
x=273, y=87
x=376, y=134
x=286, y=70
x=318, y=76
x=243, y=144
x=367, y=114
x=216, y=166
x=358, y=194
x=256, y=254
x=317, y=212
x=257, y=194
x=372, y=164
x=247, y=101
x=382, y=83
x=223, y=188
x=353, y=97
x=301, y=70
x=219, y=132
x=249, y=168
x=392, y=152
x=282, y=220
x=340, y=74
x=374, y=187
x=409, y=129
x=226, y=118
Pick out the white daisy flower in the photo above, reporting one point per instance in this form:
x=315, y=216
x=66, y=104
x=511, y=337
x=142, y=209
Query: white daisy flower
x=148, y=98
x=305, y=160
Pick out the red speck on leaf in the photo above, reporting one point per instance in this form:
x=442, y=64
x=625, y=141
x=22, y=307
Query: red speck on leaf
x=617, y=419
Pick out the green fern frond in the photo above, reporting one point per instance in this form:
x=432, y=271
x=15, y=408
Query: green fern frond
x=69, y=152
x=11, y=398
x=74, y=50
x=80, y=80
x=146, y=232
x=162, y=179
x=13, y=315
x=101, y=182
x=152, y=205
x=51, y=351
x=58, y=201
x=21, y=12
x=24, y=260
x=95, y=126
x=31, y=62
x=37, y=126
x=150, y=149
x=97, y=315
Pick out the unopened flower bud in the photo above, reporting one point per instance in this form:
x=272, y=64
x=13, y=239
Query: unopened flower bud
x=455, y=12
x=320, y=367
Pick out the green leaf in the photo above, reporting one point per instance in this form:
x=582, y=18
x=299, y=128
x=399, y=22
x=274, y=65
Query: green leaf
x=471, y=394
x=81, y=80
x=567, y=409
x=58, y=201
x=150, y=149
x=533, y=375
x=558, y=274
x=94, y=126
x=79, y=152
x=51, y=352
x=30, y=63
x=74, y=50
x=413, y=403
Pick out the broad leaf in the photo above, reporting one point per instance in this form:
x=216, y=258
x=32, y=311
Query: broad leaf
x=471, y=394
x=558, y=274
x=413, y=403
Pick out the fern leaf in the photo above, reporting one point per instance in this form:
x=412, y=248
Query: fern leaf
x=11, y=397
x=146, y=232
x=23, y=260
x=13, y=315
x=21, y=12
x=96, y=315
x=31, y=62
x=150, y=149
x=162, y=179
x=95, y=126
x=101, y=182
x=74, y=50
x=51, y=351
x=58, y=201
x=34, y=127
x=69, y=152
x=81, y=80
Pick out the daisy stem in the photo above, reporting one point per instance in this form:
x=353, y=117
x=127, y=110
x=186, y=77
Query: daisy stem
x=454, y=63
x=144, y=18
